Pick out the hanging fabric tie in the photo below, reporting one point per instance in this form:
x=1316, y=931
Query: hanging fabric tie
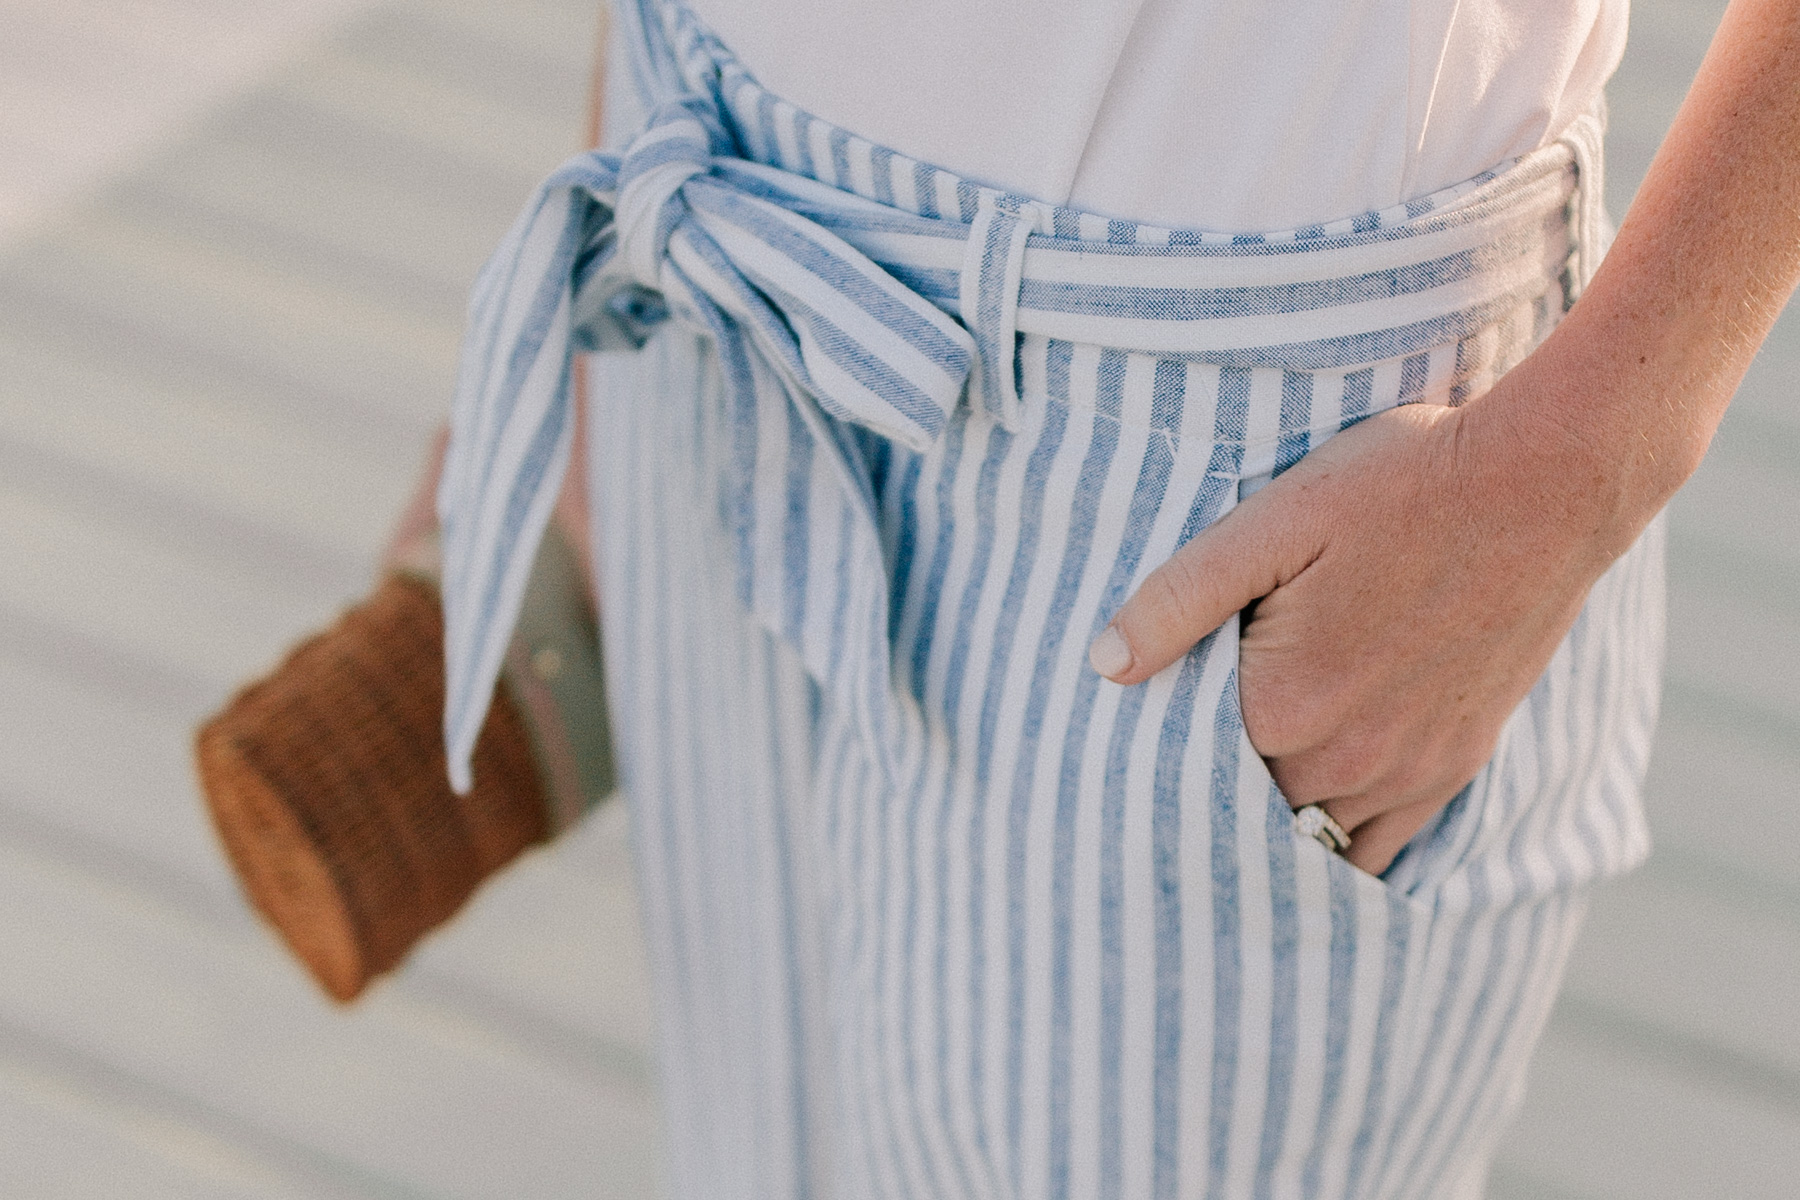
x=611, y=245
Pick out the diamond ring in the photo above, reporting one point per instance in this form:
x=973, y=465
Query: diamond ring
x=1314, y=822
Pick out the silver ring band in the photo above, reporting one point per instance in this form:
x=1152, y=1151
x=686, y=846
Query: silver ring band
x=1314, y=822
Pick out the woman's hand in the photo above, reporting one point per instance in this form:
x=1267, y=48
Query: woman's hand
x=1411, y=578
x=1413, y=575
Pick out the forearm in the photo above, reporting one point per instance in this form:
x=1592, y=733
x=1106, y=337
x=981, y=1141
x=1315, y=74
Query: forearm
x=1632, y=384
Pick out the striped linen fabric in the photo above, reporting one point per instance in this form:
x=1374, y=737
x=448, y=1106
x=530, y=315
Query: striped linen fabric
x=935, y=911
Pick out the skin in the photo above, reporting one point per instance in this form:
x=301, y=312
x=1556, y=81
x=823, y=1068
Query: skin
x=1412, y=577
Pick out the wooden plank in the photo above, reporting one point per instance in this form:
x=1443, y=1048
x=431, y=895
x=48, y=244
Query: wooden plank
x=195, y=289
x=413, y=1097
x=68, y=1141
x=367, y=166
x=1727, y=524
x=88, y=86
x=1672, y=950
x=1602, y=1122
x=550, y=949
x=1735, y=645
x=193, y=473
x=558, y=32
x=1726, y=796
x=389, y=239
x=130, y=342
x=501, y=130
x=536, y=54
x=190, y=616
x=111, y=775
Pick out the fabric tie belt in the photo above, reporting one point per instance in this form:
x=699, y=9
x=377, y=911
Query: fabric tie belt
x=862, y=312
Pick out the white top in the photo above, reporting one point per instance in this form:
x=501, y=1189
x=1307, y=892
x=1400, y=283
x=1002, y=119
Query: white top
x=1209, y=114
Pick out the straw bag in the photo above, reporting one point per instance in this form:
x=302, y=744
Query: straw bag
x=327, y=783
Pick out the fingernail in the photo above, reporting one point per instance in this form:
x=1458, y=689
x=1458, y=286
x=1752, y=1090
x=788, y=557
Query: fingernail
x=1109, y=654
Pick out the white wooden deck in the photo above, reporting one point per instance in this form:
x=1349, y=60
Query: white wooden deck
x=221, y=347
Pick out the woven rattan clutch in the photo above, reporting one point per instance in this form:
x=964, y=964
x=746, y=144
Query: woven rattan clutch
x=327, y=781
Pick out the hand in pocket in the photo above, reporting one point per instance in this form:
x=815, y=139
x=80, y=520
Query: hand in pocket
x=1410, y=579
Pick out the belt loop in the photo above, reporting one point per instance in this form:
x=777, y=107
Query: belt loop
x=993, y=264
x=1586, y=139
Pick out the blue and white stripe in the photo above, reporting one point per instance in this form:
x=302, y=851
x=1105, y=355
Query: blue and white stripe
x=934, y=910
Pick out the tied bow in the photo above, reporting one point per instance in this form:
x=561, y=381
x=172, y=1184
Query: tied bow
x=609, y=246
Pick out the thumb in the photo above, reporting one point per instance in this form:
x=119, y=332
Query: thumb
x=1251, y=551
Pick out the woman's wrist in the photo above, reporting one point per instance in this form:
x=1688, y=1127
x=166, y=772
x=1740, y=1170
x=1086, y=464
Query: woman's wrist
x=1565, y=429
x=1609, y=417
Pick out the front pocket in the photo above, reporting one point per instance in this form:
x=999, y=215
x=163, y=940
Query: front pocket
x=1408, y=876
x=1558, y=804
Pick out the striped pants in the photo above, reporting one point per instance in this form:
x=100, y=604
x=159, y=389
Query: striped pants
x=934, y=910
x=1073, y=946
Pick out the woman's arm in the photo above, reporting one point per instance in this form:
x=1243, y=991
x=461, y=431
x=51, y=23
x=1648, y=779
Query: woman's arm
x=1414, y=575
x=1708, y=254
